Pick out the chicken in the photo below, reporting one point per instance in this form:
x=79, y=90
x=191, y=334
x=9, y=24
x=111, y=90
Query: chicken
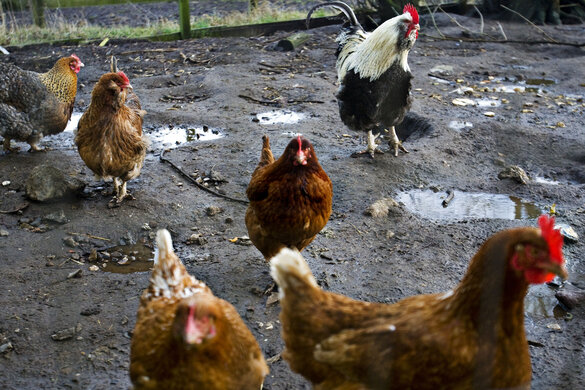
x=186, y=338
x=33, y=105
x=109, y=136
x=469, y=338
x=373, y=72
x=290, y=198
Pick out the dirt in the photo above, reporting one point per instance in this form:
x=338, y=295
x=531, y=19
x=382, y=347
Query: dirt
x=219, y=83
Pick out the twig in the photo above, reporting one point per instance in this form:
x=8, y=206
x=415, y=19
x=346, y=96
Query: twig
x=21, y=207
x=263, y=102
x=433, y=19
x=449, y=38
x=481, y=19
x=357, y=230
x=89, y=235
x=449, y=198
x=529, y=22
x=502, y=31
x=201, y=186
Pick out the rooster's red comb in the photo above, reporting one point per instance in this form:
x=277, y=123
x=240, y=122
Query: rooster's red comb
x=552, y=236
x=123, y=76
x=412, y=11
x=75, y=57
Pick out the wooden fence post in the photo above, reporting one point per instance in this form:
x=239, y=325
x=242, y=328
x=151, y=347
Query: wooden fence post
x=253, y=5
x=185, y=19
x=37, y=8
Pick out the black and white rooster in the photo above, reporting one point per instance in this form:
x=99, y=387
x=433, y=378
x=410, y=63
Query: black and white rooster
x=373, y=73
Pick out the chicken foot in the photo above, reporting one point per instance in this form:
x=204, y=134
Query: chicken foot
x=372, y=148
x=395, y=143
x=121, y=193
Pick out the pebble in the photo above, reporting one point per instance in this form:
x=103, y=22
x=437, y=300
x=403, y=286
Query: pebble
x=93, y=268
x=516, y=173
x=213, y=210
x=196, y=239
x=70, y=242
x=92, y=255
x=66, y=334
x=6, y=347
x=6, y=183
x=75, y=274
x=4, y=233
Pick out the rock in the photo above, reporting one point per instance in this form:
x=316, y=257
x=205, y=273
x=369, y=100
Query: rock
x=516, y=173
x=56, y=217
x=75, y=274
x=66, y=334
x=93, y=256
x=46, y=183
x=442, y=70
x=381, y=207
x=571, y=296
x=4, y=233
x=213, y=210
x=6, y=347
x=70, y=242
x=196, y=239
x=568, y=232
x=94, y=268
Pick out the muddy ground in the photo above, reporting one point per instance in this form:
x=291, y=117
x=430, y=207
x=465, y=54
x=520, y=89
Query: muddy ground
x=229, y=85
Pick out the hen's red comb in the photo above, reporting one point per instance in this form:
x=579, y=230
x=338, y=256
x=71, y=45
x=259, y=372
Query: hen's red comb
x=299, y=141
x=552, y=236
x=123, y=76
x=75, y=57
x=412, y=11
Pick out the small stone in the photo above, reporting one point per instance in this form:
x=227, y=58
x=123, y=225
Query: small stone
x=4, y=233
x=75, y=256
x=213, y=210
x=93, y=268
x=196, y=239
x=272, y=299
x=568, y=232
x=555, y=327
x=75, y=274
x=70, y=242
x=93, y=256
x=489, y=114
x=56, y=217
x=389, y=234
x=66, y=334
x=124, y=261
x=6, y=183
x=516, y=173
x=6, y=347
x=229, y=220
x=146, y=227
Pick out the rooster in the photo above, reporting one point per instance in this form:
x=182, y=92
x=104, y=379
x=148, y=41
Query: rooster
x=470, y=338
x=33, y=105
x=373, y=73
x=290, y=198
x=187, y=338
x=109, y=136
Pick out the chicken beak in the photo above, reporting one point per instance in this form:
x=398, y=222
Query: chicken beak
x=555, y=268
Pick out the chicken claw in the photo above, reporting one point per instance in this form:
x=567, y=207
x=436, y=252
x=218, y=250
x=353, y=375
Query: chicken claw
x=372, y=148
x=395, y=144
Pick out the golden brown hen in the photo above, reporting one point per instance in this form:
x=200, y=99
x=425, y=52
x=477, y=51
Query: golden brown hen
x=186, y=338
x=109, y=136
x=470, y=338
x=290, y=198
x=36, y=104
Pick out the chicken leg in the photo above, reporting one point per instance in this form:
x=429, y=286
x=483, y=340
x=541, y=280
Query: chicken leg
x=395, y=143
x=372, y=148
x=120, y=193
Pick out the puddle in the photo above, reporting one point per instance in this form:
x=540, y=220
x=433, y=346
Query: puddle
x=544, y=180
x=488, y=102
x=284, y=117
x=73, y=121
x=172, y=136
x=137, y=257
x=541, y=301
x=467, y=205
x=460, y=125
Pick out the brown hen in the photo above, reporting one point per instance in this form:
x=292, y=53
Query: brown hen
x=290, y=198
x=470, y=338
x=186, y=338
x=33, y=105
x=109, y=136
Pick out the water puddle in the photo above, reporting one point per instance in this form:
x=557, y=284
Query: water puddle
x=73, y=121
x=284, y=117
x=541, y=301
x=460, y=125
x=488, y=102
x=127, y=259
x=544, y=180
x=172, y=136
x=467, y=205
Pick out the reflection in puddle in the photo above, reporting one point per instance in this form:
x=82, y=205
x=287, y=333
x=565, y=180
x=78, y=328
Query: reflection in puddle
x=541, y=301
x=170, y=136
x=73, y=121
x=127, y=259
x=460, y=125
x=285, y=117
x=467, y=205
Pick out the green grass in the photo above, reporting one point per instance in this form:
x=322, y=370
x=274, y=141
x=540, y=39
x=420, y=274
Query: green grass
x=62, y=29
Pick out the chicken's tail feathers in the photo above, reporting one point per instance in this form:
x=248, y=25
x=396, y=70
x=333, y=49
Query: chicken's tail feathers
x=266, y=156
x=113, y=64
x=169, y=276
x=341, y=6
x=290, y=271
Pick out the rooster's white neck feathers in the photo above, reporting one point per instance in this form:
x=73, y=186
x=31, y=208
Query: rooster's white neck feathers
x=372, y=54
